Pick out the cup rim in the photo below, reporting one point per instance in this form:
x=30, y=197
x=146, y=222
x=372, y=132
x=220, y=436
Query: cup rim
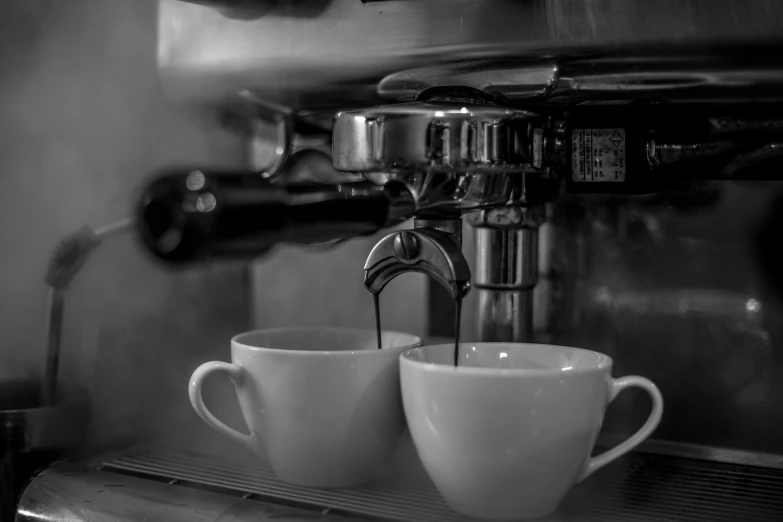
x=406, y=358
x=237, y=342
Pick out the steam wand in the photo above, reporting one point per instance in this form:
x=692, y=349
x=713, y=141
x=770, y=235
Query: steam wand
x=65, y=262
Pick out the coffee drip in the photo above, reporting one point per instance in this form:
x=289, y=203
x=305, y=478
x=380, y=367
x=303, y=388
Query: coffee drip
x=457, y=317
x=376, y=297
x=424, y=249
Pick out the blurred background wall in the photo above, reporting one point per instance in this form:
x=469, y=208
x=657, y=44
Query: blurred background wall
x=83, y=120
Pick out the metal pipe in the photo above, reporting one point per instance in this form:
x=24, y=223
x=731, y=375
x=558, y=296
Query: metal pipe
x=452, y=227
x=506, y=273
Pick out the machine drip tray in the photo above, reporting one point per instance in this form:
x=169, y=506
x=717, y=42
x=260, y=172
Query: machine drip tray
x=640, y=487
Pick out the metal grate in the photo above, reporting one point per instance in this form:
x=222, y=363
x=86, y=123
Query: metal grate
x=637, y=488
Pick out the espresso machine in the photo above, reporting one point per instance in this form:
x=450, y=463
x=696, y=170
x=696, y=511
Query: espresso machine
x=598, y=174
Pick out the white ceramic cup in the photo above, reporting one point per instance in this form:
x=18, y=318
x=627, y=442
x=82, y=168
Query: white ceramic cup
x=506, y=433
x=322, y=404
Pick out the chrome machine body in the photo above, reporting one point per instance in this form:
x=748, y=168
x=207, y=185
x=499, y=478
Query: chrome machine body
x=618, y=162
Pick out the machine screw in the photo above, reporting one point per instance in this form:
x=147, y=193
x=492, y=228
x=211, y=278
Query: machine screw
x=406, y=245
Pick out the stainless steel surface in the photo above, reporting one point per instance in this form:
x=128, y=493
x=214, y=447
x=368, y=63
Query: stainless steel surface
x=677, y=294
x=754, y=459
x=312, y=57
x=683, y=302
x=80, y=492
x=422, y=250
x=63, y=425
x=506, y=271
x=509, y=217
x=504, y=315
x=507, y=80
x=258, y=146
x=452, y=227
x=742, y=155
x=430, y=138
x=718, y=73
x=451, y=192
x=33, y=435
x=506, y=274
x=662, y=153
x=466, y=143
x=766, y=151
x=454, y=157
x=270, y=131
x=181, y=480
x=407, y=139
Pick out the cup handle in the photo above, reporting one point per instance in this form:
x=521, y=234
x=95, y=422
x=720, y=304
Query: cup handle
x=194, y=390
x=618, y=385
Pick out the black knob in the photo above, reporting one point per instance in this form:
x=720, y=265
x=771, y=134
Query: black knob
x=192, y=214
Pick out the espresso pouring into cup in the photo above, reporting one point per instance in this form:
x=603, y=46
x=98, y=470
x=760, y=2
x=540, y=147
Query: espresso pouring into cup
x=507, y=433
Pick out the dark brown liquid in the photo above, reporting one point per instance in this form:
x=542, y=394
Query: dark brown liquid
x=457, y=316
x=457, y=323
x=377, y=302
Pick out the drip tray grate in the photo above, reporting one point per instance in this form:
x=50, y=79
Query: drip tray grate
x=637, y=488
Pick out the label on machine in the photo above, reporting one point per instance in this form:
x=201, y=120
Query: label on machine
x=598, y=155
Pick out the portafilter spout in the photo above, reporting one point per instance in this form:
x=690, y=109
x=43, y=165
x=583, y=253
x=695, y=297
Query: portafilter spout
x=425, y=251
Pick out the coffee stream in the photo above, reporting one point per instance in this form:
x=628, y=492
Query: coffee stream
x=457, y=317
x=377, y=301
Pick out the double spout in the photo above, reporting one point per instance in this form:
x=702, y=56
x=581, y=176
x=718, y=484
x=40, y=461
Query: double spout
x=505, y=265
x=422, y=250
